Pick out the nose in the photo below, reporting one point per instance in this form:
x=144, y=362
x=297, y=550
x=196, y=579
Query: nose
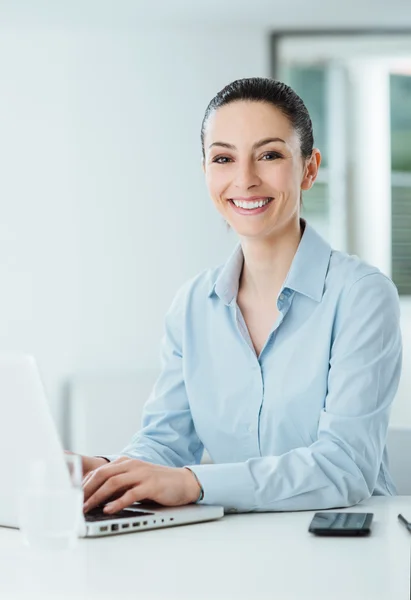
x=246, y=176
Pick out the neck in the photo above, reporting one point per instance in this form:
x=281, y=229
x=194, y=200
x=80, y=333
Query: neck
x=267, y=262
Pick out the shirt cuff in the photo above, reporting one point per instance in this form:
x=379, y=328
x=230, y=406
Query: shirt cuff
x=201, y=494
x=228, y=485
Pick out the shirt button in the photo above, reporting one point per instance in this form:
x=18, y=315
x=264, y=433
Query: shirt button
x=250, y=429
x=281, y=297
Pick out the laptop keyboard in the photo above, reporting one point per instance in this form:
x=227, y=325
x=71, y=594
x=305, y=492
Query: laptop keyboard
x=97, y=514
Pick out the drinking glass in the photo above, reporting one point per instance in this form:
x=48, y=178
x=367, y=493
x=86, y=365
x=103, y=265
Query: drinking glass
x=52, y=503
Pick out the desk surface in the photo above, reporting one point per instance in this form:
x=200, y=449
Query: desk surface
x=250, y=556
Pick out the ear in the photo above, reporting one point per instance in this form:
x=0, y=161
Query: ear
x=311, y=170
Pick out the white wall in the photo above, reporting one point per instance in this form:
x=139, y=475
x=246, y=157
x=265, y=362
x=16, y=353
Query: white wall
x=274, y=14
x=104, y=212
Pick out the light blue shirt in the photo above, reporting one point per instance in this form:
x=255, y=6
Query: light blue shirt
x=301, y=426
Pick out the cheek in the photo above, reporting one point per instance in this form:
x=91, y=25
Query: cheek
x=282, y=176
x=216, y=182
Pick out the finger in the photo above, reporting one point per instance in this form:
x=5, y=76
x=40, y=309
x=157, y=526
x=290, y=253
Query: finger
x=87, y=477
x=114, y=485
x=99, y=476
x=136, y=494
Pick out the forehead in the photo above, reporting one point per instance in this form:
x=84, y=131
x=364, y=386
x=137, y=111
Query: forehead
x=247, y=121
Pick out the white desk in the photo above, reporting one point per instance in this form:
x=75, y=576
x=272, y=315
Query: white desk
x=251, y=556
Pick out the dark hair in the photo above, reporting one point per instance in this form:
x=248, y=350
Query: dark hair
x=280, y=95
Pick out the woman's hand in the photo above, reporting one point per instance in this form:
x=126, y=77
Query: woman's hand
x=131, y=480
x=90, y=463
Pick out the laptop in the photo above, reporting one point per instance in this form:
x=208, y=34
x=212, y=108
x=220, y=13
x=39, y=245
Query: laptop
x=28, y=433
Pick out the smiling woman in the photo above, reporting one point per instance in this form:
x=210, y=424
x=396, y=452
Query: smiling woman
x=246, y=158
x=284, y=361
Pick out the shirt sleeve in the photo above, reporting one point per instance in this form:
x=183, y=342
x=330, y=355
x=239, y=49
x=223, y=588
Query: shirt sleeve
x=341, y=467
x=168, y=435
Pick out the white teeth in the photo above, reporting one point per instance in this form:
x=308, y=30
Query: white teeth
x=251, y=205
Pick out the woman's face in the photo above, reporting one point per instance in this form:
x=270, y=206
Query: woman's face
x=254, y=169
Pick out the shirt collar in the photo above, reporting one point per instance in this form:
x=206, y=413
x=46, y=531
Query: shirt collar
x=306, y=275
x=227, y=282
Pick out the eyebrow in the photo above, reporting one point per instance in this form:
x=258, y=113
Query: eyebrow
x=263, y=142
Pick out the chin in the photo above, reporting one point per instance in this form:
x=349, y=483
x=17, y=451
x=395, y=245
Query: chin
x=249, y=231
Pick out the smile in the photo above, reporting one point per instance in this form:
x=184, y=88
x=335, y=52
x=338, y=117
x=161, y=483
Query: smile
x=252, y=206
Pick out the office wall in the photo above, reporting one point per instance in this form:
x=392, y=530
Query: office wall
x=104, y=212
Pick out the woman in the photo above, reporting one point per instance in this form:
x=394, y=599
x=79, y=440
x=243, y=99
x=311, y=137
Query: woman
x=283, y=362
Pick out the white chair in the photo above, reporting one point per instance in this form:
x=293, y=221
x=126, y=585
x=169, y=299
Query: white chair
x=103, y=410
x=399, y=455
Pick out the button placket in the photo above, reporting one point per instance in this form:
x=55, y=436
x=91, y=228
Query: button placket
x=252, y=427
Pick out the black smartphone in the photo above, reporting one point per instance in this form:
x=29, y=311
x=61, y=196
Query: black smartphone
x=341, y=523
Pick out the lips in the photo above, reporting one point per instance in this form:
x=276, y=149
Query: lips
x=251, y=203
x=250, y=206
x=250, y=198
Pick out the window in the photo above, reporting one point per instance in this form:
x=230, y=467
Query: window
x=310, y=84
x=400, y=109
x=357, y=88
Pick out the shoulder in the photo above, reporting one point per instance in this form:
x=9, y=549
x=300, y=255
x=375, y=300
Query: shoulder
x=356, y=281
x=195, y=290
x=348, y=269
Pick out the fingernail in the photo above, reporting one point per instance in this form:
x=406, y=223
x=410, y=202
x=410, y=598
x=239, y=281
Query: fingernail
x=107, y=508
x=85, y=507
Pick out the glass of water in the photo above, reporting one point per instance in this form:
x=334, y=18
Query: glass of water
x=51, y=503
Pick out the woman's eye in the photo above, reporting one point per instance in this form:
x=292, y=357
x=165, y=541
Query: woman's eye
x=221, y=160
x=270, y=156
